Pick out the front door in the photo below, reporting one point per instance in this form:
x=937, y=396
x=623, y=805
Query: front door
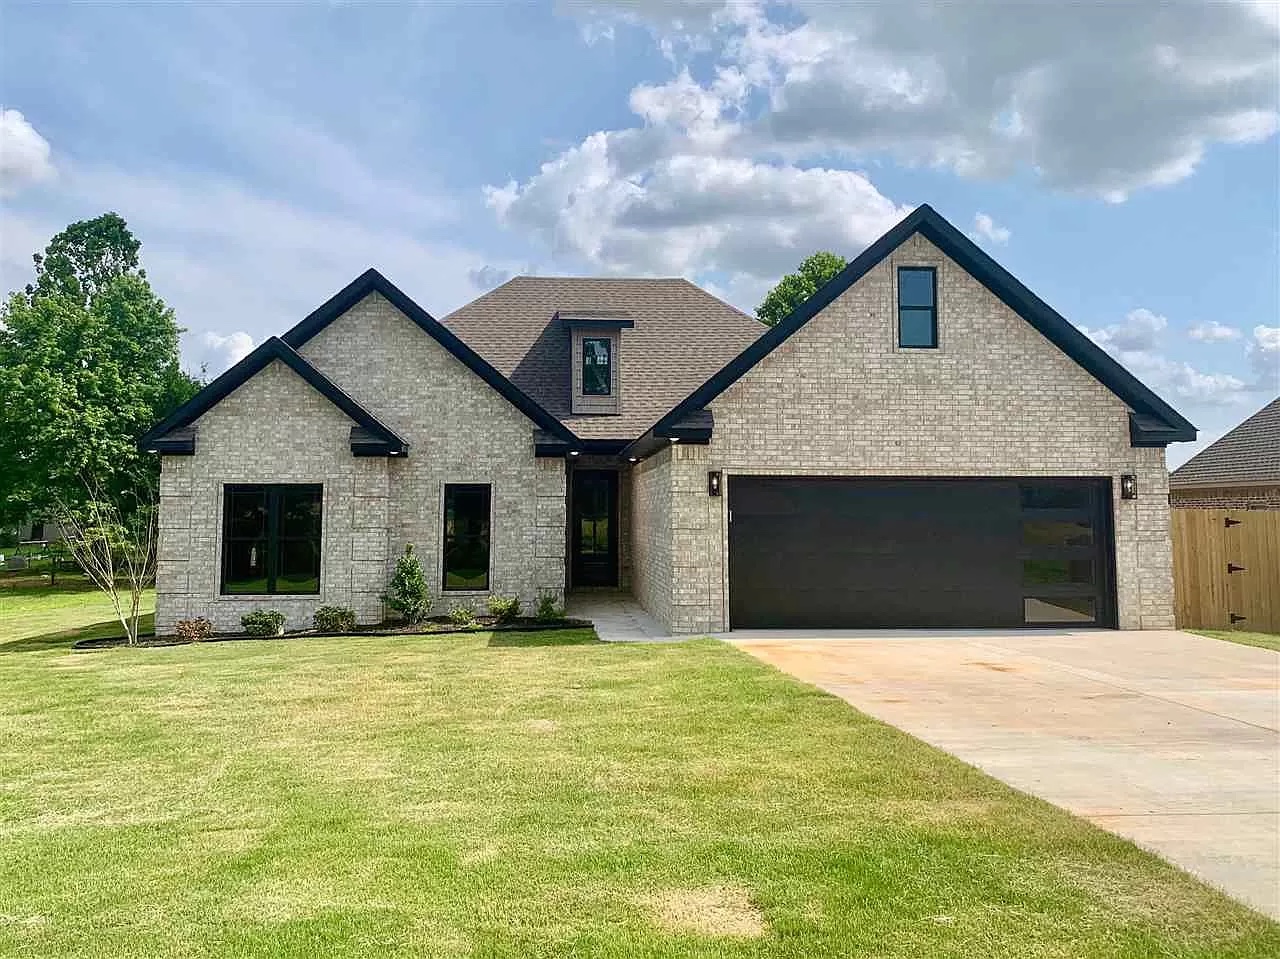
x=594, y=528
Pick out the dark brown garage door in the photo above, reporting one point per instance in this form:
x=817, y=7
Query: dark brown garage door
x=828, y=553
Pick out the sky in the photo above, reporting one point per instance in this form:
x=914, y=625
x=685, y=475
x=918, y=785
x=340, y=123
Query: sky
x=1121, y=160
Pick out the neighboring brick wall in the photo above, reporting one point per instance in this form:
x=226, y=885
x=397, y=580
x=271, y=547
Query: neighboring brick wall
x=1227, y=497
x=839, y=398
x=276, y=428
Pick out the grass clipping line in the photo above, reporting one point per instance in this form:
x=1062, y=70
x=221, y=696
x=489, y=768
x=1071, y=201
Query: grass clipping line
x=708, y=911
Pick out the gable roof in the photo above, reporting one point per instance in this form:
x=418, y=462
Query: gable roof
x=371, y=281
x=1154, y=422
x=673, y=336
x=1248, y=454
x=175, y=434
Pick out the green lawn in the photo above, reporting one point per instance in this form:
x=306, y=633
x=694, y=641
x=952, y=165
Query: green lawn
x=41, y=615
x=533, y=795
x=1245, y=638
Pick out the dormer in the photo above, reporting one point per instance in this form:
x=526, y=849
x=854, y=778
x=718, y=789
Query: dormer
x=595, y=357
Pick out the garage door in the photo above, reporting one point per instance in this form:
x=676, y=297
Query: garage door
x=859, y=553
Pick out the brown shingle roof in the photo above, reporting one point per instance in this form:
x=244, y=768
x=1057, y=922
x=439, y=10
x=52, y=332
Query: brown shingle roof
x=1250, y=453
x=682, y=335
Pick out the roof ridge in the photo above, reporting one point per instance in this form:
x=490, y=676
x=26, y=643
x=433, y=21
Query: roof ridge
x=1248, y=421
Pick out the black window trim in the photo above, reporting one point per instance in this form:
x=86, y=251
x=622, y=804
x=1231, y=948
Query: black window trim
x=933, y=310
x=608, y=350
x=273, y=537
x=444, y=540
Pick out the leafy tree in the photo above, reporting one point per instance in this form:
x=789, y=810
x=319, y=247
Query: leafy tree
x=88, y=363
x=794, y=288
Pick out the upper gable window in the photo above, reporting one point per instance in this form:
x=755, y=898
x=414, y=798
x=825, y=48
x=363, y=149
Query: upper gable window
x=917, y=307
x=597, y=366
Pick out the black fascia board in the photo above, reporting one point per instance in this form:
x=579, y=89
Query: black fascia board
x=966, y=254
x=272, y=349
x=579, y=321
x=371, y=281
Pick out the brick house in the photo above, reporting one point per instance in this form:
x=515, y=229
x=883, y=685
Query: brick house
x=922, y=443
x=1239, y=471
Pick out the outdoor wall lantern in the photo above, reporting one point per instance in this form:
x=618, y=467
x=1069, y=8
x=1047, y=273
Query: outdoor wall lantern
x=1128, y=486
x=713, y=483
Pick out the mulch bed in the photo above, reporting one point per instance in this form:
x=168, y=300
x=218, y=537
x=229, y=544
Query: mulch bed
x=439, y=626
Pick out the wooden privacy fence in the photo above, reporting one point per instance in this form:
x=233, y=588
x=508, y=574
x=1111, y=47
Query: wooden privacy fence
x=1226, y=568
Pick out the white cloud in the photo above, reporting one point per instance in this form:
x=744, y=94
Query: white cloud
x=1098, y=98
x=218, y=351
x=1264, y=357
x=1139, y=332
x=985, y=228
x=227, y=257
x=1138, y=343
x=1213, y=332
x=24, y=154
x=488, y=276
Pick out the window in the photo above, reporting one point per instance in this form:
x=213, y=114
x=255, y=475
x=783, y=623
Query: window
x=466, y=536
x=597, y=366
x=271, y=539
x=917, y=307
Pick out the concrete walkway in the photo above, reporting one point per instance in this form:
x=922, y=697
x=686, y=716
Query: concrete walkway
x=1166, y=738
x=617, y=616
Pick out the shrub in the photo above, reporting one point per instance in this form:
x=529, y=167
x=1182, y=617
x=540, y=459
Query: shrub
x=335, y=619
x=194, y=630
x=407, y=593
x=504, y=609
x=464, y=614
x=263, y=622
x=548, y=609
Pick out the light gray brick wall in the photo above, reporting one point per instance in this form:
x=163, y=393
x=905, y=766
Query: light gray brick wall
x=651, y=559
x=276, y=428
x=840, y=398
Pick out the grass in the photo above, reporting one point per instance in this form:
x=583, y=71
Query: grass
x=1244, y=637
x=42, y=616
x=534, y=796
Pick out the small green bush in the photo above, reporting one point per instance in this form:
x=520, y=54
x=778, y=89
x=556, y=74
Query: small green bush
x=407, y=593
x=263, y=622
x=464, y=614
x=334, y=619
x=548, y=609
x=505, y=609
x=194, y=630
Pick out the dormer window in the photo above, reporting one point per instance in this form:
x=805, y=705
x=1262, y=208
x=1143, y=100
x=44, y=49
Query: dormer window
x=597, y=366
x=595, y=359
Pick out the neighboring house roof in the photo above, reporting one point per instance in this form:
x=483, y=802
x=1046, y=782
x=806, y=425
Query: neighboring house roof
x=1153, y=423
x=371, y=281
x=681, y=336
x=176, y=435
x=1248, y=455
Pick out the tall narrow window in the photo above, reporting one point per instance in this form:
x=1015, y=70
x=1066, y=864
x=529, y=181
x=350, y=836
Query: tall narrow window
x=597, y=363
x=271, y=539
x=466, y=536
x=917, y=307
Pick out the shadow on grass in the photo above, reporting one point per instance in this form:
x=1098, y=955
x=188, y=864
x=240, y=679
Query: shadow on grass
x=564, y=637
x=64, y=639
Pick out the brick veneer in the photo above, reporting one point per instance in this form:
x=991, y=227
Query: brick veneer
x=276, y=428
x=1227, y=497
x=840, y=398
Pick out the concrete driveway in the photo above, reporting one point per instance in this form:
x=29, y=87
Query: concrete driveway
x=1166, y=738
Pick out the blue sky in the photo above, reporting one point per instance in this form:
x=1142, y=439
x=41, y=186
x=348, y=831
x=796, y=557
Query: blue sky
x=1121, y=160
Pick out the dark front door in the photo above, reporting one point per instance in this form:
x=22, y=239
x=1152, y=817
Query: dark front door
x=809, y=553
x=594, y=527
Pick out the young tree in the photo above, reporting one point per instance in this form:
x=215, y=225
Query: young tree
x=88, y=363
x=794, y=288
x=114, y=542
x=407, y=593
